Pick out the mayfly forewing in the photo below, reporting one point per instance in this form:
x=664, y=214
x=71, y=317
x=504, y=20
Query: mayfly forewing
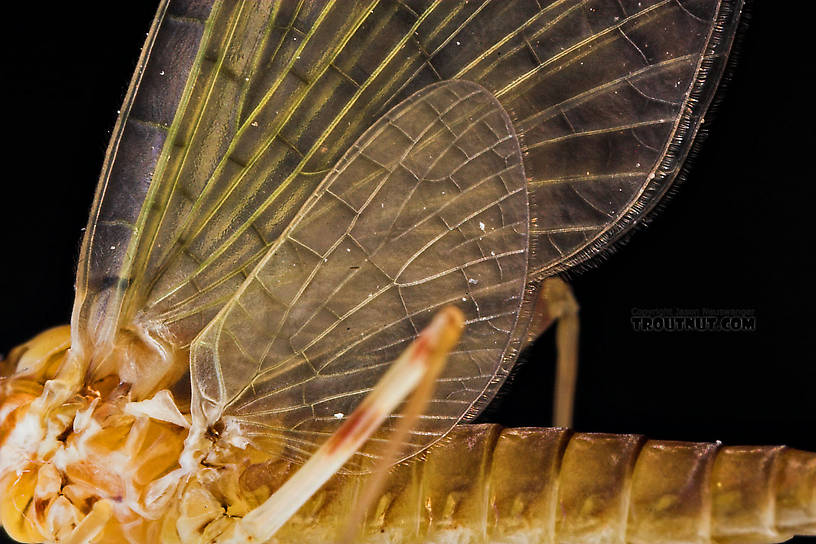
x=428, y=208
x=276, y=92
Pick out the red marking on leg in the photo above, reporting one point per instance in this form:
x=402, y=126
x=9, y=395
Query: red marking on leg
x=362, y=421
x=422, y=345
x=421, y=350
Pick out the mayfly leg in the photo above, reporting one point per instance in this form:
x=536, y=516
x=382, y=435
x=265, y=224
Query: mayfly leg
x=414, y=406
x=425, y=355
x=556, y=303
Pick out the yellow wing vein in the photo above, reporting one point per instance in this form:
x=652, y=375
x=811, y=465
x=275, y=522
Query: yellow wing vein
x=202, y=219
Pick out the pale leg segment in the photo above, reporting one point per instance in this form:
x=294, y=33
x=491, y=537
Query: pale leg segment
x=557, y=303
x=424, y=355
x=414, y=407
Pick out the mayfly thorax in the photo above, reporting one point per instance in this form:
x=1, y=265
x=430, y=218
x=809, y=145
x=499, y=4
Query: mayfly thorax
x=303, y=206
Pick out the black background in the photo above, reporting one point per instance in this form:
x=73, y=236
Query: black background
x=735, y=236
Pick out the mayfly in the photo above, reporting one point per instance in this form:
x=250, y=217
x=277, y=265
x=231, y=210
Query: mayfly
x=105, y=458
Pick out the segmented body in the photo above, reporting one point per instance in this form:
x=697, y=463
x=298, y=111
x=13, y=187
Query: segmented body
x=110, y=472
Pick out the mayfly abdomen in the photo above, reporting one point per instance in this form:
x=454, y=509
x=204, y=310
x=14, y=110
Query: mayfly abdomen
x=548, y=485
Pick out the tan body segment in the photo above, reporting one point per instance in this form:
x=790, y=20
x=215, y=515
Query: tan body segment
x=106, y=473
x=548, y=485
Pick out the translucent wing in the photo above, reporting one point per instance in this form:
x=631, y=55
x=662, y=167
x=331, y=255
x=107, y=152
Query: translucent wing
x=428, y=208
x=124, y=201
x=240, y=109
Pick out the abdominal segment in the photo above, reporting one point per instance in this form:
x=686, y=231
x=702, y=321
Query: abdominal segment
x=548, y=485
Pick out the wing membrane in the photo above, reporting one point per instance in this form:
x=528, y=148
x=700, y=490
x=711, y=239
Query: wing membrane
x=113, y=234
x=204, y=178
x=429, y=208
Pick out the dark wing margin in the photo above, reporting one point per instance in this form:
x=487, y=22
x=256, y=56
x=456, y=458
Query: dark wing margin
x=609, y=135
x=428, y=208
x=139, y=136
